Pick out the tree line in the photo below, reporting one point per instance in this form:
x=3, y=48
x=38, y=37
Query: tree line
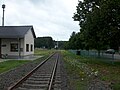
x=48, y=43
x=44, y=42
x=99, y=22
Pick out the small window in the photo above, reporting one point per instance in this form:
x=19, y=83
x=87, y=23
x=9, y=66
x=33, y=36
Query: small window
x=3, y=45
x=27, y=47
x=14, y=47
x=31, y=47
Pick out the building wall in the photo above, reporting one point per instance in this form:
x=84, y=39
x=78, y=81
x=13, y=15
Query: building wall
x=29, y=39
x=5, y=49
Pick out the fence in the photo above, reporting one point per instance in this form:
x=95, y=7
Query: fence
x=94, y=53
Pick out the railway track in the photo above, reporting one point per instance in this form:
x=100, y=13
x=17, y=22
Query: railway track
x=45, y=76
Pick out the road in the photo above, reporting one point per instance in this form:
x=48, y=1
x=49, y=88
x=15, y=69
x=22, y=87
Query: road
x=111, y=56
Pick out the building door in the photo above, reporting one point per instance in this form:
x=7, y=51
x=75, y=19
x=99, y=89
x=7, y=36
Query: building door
x=0, y=48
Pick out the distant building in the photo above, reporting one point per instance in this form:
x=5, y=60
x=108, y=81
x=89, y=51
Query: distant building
x=16, y=41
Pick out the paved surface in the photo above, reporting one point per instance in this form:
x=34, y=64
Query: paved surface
x=22, y=58
x=115, y=57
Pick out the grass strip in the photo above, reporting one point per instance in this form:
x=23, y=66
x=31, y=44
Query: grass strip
x=7, y=65
x=107, y=72
x=10, y=64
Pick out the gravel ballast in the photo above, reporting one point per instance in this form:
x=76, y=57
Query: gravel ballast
x=10, y=77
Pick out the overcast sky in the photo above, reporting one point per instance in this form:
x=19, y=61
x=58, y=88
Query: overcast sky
x=48, y=17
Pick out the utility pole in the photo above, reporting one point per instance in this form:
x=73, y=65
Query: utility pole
x=57, y=44
x=3, y=6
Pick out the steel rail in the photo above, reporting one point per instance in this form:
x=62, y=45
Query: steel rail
x=29, y=74
x=53, y=74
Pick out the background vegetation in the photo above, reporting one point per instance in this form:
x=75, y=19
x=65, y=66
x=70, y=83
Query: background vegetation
x=44, y=42
x=49, y=43
x=99, y=22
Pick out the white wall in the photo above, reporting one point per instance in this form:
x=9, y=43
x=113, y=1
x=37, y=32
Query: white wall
x=5, y=49
x=29, y=39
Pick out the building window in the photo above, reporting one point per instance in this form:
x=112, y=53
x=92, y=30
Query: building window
x=27, y=47
x=31, y=47
x=14, y=47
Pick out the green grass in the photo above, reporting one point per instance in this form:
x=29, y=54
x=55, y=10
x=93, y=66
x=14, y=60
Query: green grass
x=108, y=72
x=7, y=65
x=77, y=78
x=43, y=52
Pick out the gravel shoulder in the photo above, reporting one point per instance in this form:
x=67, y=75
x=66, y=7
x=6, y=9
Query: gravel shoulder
x=64, y=76
x=10, y=77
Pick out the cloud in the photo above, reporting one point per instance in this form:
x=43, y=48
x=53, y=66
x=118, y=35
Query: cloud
x=49, y=17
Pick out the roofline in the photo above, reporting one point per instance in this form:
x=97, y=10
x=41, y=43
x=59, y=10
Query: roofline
x=31, y=27
x=19, y=26
x=33, y=32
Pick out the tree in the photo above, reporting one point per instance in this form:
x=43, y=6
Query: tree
x=99, y=22
x=75, y=41
x=88, y=16
x=71, y=43
x=110, y=12
x=44, y=42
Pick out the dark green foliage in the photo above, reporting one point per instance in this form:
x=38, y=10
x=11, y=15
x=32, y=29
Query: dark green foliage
x=75, y=41
x=44, y=42
x=110, y=12
x=99, y=22
x=61, y=44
